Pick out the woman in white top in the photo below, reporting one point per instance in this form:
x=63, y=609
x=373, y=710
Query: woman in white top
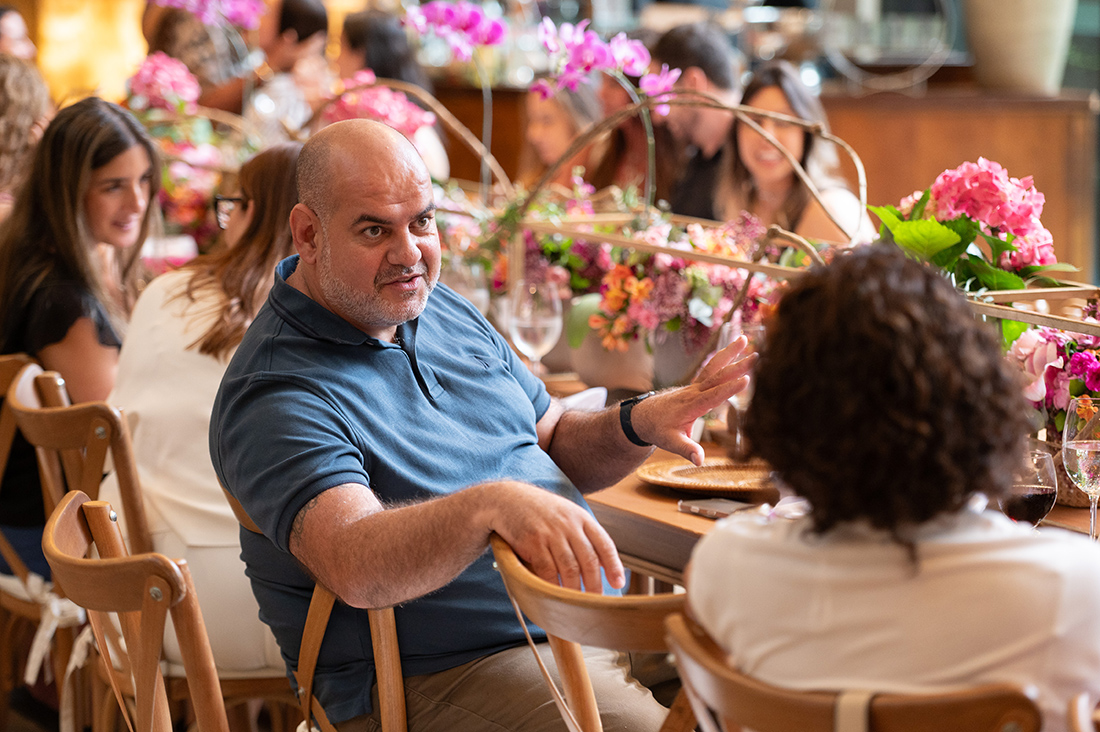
x=884, y=402
x=760, y=180
x=184, y=329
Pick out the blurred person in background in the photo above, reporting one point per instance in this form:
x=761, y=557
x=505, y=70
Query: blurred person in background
x=69, y=262
x=625, y=159
x=14, y=40
x=292, y=35
x=759, y=179
x=24, y=113
x=553, y=124
x=376, y=40
x=708, y=64
x=184, y=329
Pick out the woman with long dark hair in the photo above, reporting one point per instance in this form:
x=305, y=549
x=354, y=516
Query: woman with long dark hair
x=760, y=180
x=69, y=260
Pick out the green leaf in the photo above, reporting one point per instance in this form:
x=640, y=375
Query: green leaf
x=993, y=278
x=1011, y=330
x=1059, y=421
x=1033, y=269
x=925, y=238
x=965, y=227
x=576, y=325
x=999, y=246
x=918, y=208
x=948, y=257
x=888, y=215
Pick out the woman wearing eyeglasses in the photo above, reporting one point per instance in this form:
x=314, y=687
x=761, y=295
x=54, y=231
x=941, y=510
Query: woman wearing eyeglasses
x=183, y=331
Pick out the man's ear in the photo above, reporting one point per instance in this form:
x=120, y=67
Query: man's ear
x=694, y=78
x=305, y=227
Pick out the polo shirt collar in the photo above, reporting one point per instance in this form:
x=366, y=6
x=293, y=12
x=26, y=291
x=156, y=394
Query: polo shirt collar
x=317, y=321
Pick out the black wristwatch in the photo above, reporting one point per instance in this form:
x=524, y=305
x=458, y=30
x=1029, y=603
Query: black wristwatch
x=625, y=407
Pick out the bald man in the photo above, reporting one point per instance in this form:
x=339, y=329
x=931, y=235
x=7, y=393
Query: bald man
x=378, y=429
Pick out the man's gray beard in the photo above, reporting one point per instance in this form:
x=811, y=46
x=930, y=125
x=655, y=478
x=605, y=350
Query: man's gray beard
x=366, y=309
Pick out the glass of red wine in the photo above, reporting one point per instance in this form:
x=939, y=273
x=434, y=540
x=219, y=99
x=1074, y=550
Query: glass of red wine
x=1034, y=490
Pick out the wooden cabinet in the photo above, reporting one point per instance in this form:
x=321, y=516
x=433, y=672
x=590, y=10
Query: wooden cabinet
x=509, y=123
x=905, y=142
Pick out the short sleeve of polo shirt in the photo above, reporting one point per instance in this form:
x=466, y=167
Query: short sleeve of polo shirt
x=281, y=444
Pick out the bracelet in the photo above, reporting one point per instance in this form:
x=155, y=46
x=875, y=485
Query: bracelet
x=625, y=407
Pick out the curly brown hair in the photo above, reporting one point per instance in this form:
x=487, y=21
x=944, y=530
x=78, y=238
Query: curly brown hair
x=880, y=397
x=26, y=102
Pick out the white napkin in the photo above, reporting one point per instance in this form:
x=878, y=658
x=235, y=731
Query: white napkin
x=589, y=400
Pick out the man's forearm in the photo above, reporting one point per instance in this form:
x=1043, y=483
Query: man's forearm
x=372, y=556
x=592, y=450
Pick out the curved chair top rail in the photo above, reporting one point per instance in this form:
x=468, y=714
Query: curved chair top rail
x=628, y=623
x=753, y=704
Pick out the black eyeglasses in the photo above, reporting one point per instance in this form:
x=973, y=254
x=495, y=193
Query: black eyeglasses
x=225, y=205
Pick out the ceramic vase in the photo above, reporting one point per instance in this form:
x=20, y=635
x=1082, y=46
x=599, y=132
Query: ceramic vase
x=1020, y=45
x=620, y=371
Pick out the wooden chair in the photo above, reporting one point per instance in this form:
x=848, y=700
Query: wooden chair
x=142, y=590
x=73, y=443
x=25, y=598
x=572, y=618
x=383, y=633
x=727, y=699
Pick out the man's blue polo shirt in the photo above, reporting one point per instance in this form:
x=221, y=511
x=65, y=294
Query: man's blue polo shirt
x=310, y=402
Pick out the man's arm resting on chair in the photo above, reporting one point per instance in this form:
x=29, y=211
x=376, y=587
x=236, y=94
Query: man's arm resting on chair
x=374, y=556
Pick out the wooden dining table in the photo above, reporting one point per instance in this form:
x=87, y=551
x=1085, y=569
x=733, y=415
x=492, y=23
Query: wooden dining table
x=655, y=539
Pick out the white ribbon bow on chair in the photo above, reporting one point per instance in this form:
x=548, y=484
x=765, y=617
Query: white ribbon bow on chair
x=57, y=612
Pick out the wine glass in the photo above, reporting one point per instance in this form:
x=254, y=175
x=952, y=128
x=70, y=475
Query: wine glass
x=535, y=323
x=1081, y=450
x=739, y=402
x=1034, y=489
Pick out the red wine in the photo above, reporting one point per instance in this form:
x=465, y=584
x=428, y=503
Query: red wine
x=1031, y=504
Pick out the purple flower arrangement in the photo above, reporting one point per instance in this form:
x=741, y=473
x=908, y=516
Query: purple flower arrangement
x=240, y=13
x=463, y=25
x=1057, y=366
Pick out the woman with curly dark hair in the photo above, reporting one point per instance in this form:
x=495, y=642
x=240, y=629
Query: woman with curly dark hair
x=882, y=400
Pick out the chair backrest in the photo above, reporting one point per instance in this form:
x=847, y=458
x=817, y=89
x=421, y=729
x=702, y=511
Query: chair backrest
x=727, y=699
x=78, y=437
x=141, y=590
x=383, y=632
x=572, y=618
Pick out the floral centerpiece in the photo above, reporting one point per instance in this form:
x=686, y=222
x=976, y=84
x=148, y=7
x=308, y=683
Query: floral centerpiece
x=163, y=96
x=1058, y=366
x=661, y=294
x=969, y=205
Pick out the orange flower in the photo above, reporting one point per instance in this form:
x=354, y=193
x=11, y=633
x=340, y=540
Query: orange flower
x=1085, y=408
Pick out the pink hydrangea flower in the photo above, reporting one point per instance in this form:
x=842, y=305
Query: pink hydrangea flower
x=985, y=192
x=379, y=103
x=1036, y=248
x=162, y=82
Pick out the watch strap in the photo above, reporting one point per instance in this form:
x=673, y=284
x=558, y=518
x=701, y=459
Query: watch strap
x=625, y=408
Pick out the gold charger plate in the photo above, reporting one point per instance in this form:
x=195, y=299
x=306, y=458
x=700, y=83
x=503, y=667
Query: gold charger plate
x=717, y=476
